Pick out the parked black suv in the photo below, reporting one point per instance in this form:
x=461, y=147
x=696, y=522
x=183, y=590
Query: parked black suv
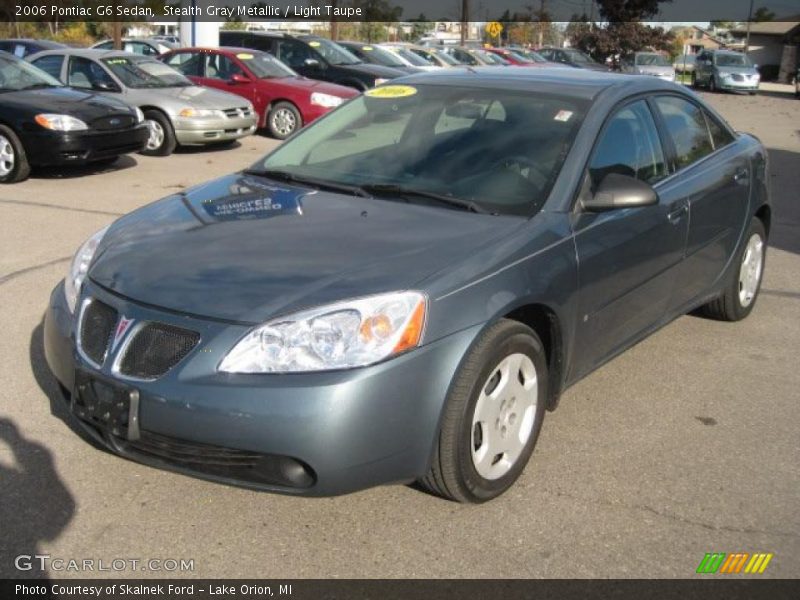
x=314, y=57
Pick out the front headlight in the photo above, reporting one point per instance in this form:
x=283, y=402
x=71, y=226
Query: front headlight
x=200, y=113
x=326, y=100
x=139, y=114
x=60, y=122
x=344, y=335
x=79, y=267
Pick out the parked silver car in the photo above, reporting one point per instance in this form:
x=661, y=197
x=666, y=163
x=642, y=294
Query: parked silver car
x=176, y=110
x=145, y=46
x=726, y=70
x=648, y=63
x=685, y=63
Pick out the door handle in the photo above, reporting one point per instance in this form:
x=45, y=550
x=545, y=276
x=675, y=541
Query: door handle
x=676, y=214
x=741, y=175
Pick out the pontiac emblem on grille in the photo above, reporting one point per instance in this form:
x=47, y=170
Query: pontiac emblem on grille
x=123, y=325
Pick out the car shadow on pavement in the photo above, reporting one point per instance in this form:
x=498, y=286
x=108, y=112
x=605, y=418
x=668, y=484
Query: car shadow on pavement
x=56, y=394
x=121, y=163
x=206, y=148
x=784, y=167
x=36, y=504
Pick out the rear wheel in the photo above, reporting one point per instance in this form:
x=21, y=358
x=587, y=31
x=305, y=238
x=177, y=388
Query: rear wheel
x=492, y=416
x=14, y=165
x=739, y=296
x=694, y=80
x=161, y=141
x=712, y=85
x=283, y=120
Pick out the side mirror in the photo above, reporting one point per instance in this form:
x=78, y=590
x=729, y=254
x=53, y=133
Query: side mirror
x=620, y=191
x=239, y=78
x=312, y=63
x=104, y=86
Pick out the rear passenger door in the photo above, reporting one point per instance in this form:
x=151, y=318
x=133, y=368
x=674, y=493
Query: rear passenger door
x=50, y=64
x=714, y=177
x=628, y=258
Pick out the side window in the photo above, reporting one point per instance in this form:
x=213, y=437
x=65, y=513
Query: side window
x=140, y=48
x=51, y=64
x=87, y=74
x=105, y=46
x=188, y=63
x=686, y=126
x=719, y=134
x=20, y=50
x=629, y=145
x=294, y=53
x=221, y=67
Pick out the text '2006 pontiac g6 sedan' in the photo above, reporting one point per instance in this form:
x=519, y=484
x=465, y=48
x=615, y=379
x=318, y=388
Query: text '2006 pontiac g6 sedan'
x=400, y=291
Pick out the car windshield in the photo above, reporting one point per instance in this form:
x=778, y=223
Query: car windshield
x=382, y=56
x=732, y=60
x=265, y=66
x=333, y=53
x=16, y=75
x=444, y=56
x=490, y=57
x=497, y=150
x=687, y=58
x=652, y=60
x=414, y=59
x=137, y=73
x=577, y=56
x=519, y=56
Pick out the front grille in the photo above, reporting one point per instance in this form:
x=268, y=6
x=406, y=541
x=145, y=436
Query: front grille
x=113, y=122
x=97, y=328
x=155, y=349
x=237, y=113
x=217, y=461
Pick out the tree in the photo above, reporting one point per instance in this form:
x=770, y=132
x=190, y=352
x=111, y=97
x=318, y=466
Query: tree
x=763, y=14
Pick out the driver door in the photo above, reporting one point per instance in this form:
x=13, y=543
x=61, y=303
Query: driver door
x=627, y=257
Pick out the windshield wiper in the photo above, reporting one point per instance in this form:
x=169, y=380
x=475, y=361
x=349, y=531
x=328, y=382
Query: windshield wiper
x=399, y=190
x=279, y=175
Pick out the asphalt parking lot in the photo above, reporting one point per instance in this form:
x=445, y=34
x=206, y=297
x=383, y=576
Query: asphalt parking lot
x=686, y=444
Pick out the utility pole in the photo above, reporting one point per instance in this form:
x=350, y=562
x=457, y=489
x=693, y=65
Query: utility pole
x=464, y=20
x=117, y=35
x=749, y=18
x=334, y=22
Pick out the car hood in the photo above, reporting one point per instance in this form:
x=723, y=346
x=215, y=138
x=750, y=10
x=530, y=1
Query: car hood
x=194, y=96
x=83, y=105
x=740, y=70
x=245, y=249
x=312, y=85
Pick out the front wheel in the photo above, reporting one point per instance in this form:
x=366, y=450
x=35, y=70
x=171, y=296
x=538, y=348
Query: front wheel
x=694, y=80
x=739, y=296
x=161, y=141
x=492, y=416
x=283, y=120
x=14, y=165
x=712, y=85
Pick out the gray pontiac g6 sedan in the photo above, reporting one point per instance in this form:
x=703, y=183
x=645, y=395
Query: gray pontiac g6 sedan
x=403, y=289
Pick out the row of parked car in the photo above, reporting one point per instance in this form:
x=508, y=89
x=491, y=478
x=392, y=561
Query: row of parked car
x=63, y=105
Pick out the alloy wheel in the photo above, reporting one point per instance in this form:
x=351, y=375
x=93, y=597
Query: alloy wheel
x=284, y=121
x=750, y=270
x=7, y=156
x=504, y=415
x=156, y=138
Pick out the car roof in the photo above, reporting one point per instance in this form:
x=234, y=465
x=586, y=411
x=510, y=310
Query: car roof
x=579, y=83
x=94, y=53
x=42, y=43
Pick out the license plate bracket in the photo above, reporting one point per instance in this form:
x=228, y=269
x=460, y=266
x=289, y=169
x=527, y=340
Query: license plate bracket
x=107, y=405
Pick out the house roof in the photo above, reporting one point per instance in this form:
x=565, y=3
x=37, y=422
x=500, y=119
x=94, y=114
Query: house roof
x=769, y=27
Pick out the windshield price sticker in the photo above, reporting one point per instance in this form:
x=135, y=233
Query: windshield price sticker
x=391, y=91
x=244, y=56
x=563, y=116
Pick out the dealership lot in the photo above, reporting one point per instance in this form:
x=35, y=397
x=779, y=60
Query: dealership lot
x=686, y=444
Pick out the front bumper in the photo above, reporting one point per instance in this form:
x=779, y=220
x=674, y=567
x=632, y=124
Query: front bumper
x=193, y=132
x=52, y=148
x=734, y=85
x=352, y=429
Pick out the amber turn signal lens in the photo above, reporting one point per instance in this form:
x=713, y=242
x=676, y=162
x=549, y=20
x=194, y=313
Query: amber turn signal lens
x=413, y=331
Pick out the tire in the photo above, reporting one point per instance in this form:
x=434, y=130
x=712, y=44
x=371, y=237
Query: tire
x=14, y=166
x=162, y=137
x=466, y=465
x=283, y=120
x=694, y=81
x=712, y=85
x=741, y=291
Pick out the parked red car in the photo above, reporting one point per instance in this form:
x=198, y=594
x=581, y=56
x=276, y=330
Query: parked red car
x=284, y=100
x=519, y=58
